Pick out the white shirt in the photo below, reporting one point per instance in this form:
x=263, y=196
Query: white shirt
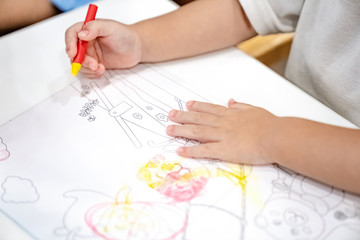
x=325, y=55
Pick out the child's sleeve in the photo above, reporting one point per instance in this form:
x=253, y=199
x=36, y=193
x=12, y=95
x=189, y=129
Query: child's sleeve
x=273, y=16
x=66, y=5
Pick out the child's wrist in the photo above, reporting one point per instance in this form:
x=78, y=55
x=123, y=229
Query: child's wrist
x=138, y=32
x=271, y=141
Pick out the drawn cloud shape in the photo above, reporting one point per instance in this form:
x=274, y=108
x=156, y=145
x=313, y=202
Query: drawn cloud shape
x=19, y=190
x=4, y=153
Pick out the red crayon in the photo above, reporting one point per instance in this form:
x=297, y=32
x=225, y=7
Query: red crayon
x=82, y=45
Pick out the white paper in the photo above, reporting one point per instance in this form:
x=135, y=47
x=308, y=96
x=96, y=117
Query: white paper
x=94, y=162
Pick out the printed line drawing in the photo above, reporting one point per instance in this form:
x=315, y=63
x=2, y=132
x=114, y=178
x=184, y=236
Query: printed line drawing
x=74, y=225
x=351, y=231
x=297, y=209
x=96, y=215
x=107, y=170
x=127, y=219
x=124, y=98
x=87, y=109
x=182, y=180
x=173, y=178
x=93, y=214
x=116, y=112
x=19, y=190
x=4, y=153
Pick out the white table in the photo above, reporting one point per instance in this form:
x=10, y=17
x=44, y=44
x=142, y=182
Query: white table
x=32, y=72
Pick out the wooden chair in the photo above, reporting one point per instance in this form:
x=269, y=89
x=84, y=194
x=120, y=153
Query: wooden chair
x=272, y=50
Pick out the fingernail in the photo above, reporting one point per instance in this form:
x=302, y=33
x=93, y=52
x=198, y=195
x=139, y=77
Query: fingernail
x=83, y=33
x=169, y=128
x=172, y=113
x=190, y=103
x=101, y=68
x=180, y=150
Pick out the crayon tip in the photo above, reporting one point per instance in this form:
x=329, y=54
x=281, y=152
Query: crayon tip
x=75, y=67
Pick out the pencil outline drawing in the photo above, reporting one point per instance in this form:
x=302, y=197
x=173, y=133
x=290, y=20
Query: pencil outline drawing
x=132, y=105
x=298, y=209
x=18, y=190
x=4, y=152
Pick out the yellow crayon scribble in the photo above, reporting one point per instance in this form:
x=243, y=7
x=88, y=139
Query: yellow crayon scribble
x=235, y=173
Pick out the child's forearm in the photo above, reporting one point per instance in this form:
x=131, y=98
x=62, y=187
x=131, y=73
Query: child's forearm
x=15, y=14
x=198, y=27
x=327, y=153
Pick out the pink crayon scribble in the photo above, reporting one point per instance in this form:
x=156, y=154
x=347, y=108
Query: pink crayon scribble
x=177, y=186
x=173, y=178
x=137, y=220
x=4, y=153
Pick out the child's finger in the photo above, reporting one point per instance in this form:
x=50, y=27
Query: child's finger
x=209, y=108
x=195, y=132
x=100, y=70
x=71, y=39
x=192, y=117
x=205, y=150
x=241, y=106
x=96, y=28
x=93, y=73
x=88, y=73
x=90, y=62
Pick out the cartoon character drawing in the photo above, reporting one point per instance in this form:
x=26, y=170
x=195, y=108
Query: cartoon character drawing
x=298, y=207
x=289, y=219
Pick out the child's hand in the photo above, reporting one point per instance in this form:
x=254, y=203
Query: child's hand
x=111, y=45
x=234, y=134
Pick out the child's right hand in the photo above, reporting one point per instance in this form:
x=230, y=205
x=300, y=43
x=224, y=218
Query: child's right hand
x=111, y=45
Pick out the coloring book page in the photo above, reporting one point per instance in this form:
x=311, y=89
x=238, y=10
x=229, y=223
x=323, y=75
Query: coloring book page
x=94, y=162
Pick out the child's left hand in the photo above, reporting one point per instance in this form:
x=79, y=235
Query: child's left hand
x=240, y=133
